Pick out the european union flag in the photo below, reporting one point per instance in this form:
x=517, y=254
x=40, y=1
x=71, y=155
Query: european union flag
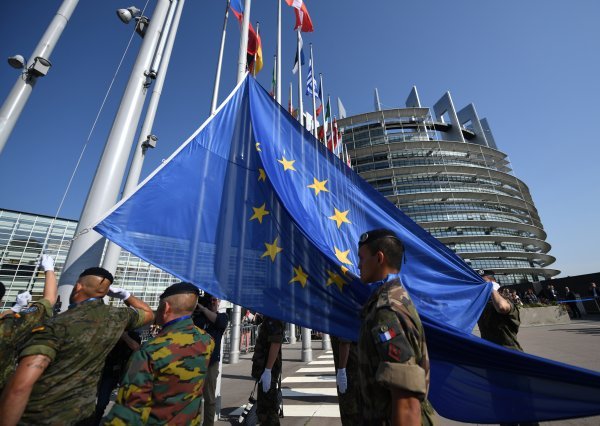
x=254, y=209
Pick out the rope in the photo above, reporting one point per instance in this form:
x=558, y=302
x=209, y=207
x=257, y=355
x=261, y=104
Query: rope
x=85, y=145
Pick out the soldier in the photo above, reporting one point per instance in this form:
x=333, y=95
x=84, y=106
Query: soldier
x=60, y=365
x=164, y=380
x=266, y=367
x=345, y=358
x=208, y=318
x=392, y=354
x=17, y=323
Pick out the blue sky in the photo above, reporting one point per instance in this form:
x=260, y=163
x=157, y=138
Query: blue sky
x=530, y=67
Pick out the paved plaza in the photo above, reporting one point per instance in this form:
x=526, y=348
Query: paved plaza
x=309, y=389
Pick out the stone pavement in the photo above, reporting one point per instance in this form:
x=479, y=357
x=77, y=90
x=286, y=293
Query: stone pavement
x=309, y=390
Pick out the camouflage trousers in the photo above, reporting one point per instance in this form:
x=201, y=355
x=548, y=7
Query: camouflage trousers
x=267, y=404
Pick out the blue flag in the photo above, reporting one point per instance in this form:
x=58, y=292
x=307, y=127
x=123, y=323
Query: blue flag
x=253, y=209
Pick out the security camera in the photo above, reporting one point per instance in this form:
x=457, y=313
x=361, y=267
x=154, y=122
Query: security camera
x=16, y=61
x=126, y=15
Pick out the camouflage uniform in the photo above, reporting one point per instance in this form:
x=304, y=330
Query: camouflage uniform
x=77, y=343
x=349, y=401
x=499, y=328
x=164, y=380
x=270, y=331
x=15, y=329
x=392, y=353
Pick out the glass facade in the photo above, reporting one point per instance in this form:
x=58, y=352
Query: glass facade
x=450, y=178
x=23, y=236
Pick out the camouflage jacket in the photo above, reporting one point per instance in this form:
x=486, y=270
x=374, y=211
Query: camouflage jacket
x=164, y=380
x=270, y=331
x=392, y=352
x=15, y=329
x=499, y=328
x=77, y=343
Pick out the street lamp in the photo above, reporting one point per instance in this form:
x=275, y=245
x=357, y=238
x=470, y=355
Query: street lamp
x=132, y=12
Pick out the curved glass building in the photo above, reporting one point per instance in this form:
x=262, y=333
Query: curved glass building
x=443, y=169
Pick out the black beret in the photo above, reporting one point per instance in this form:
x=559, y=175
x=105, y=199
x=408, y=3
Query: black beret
x=485, y=272
x=180, y=288
x=98, y=272
x=376, y=234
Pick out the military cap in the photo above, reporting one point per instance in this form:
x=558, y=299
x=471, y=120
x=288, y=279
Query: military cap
x=376, y=234
x=180, y=288
x=484, y=272
x=98, y=272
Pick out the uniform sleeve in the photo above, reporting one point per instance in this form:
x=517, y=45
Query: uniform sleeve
x=134, y=401
x=43, y=340
x=135, y=318
x=397, y=342
x=275, y=330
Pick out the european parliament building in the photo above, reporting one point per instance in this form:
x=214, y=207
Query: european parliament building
x=22, y=239
x=442, y=168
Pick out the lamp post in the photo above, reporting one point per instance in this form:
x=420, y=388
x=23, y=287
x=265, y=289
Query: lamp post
x=38, y=66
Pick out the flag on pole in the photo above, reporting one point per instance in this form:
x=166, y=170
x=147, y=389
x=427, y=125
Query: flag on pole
x=303, y=20
x=341, y=109
x=273, y=91
x=296, y=65
x=311, y=82
x=254, y=50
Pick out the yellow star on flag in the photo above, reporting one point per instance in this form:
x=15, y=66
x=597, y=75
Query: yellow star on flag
x=335, y=279
x=340, y=217
x=262, y=175
x=344, y=270
x=300, y=276
x=342, y=256
x=259, y=213
x=258, y=147
x=272, y=250
x=318, y=186
x=287, y=164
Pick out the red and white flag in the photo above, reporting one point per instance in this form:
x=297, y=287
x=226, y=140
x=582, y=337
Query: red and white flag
x=303, y=20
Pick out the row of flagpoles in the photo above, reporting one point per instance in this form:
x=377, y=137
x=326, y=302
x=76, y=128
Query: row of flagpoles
x=251, y=44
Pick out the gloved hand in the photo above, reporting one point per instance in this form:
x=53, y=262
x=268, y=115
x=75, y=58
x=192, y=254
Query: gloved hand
x=342, y=380
x=118, y=293
x=495, y=285
x=47, y=263
x=265, y=379
x=23, y=300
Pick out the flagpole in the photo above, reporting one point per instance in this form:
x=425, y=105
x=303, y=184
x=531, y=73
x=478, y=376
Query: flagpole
x=324, y=111
x=291, y=106
x=213, y=106
x=330, y=123
x=242, y=55
x=236, y=315
x=314, y=102
x=300, y=105
x=278, y=81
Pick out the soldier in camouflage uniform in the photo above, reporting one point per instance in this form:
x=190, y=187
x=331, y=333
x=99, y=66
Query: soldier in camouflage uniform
x=164, y=380
x=59, y=367
x=345, y=359
x=500, y=320
x=266, y=367
x=16, y=323
x=394, y=366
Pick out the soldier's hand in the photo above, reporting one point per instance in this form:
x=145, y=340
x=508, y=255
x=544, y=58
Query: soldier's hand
x=265, y=379
x=47, y=263
x=342, y=380
x=23, y=300
x=118, y=293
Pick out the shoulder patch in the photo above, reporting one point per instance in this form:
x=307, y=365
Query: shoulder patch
x=29, y=310
x=36, y=329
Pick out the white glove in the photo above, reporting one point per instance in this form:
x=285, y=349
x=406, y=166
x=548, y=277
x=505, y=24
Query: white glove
x=23, y=300
x=495, y=285
x=265, y=379
x=342, y=380
x=118, y=293
x=47, y=263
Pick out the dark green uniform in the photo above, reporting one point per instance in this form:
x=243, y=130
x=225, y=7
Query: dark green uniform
x=499, y=328
x=77, y=343
x=270, y=331
x=392, y=353
x=349, y=401
x=15, y=329
x=164, y=380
